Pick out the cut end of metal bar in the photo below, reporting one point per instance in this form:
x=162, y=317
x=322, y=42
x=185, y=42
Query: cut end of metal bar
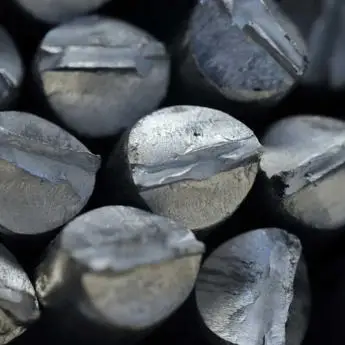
x=134, y=238
x=79, y=65
x=210, y=142
x=11, y=69
x=258, y=21
x=18, y=303
x=139, y=58
x=40, y=159
x=267, y=53
x=57, y=11
x=245, y=289
x=134, y=268
x=304, y=159
x=185, y=163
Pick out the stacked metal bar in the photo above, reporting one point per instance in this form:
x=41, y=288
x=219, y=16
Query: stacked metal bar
x=171, y=172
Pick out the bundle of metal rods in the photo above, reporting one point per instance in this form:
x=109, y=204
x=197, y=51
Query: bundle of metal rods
x=172, y=171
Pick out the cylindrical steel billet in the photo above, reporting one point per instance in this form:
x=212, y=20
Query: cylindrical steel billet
x=303, y=174
x=11, y=70
x=18, y=303
x=192, y=164
x=100, y=75
x=122, y=269
x=254, y=289
x=244, y=51
x=46, y=175
x=57, y=11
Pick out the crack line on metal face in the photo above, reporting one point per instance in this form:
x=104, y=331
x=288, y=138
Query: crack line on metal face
x=84, y=160
x=260, y=25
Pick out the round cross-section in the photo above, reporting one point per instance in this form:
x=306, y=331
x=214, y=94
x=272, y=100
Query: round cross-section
x=46, y=175
x=303, y=170
x=192, y=164
x=100, y=75
x=254, y=289
x=134, y=268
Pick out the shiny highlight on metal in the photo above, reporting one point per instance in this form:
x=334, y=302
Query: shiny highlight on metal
x=100, y=75
x=254, y=290
x=244, y=51
x=303, y=170
x=18, y=303
x=46, y=175
x=192, y=164
x=11, y=70
x=120, y=267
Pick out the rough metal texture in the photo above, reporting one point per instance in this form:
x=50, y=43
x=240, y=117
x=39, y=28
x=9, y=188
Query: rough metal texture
x=303, y=166
x=46, y=175
x=130, y=267
x=248, y=293
x=192, y=164
x=18, y=304
x=246, y=50
x=11, y=69
x=55, y=11
x=100, y=75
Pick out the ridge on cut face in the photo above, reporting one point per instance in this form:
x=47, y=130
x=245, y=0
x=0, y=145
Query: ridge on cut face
x=119, y=238
x=323, y=143
x=267, y=53
x=79, y=64
x=198, y=143
x=46, y=174
x=245, y=289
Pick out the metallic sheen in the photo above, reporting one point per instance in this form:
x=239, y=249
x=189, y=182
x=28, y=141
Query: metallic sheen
x=128, y=267
x=11, y=70
x=303, y=168
x=244, y=50
x=100, y=75
x=192, y=164
x=254, y=290
x=18, y=303
x=46, y=175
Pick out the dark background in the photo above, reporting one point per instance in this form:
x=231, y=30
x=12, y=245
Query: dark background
x=325, y=256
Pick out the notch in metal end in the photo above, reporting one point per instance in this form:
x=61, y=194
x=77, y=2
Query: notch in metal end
x=326, y=46
x=136, y=57
x=256, y=20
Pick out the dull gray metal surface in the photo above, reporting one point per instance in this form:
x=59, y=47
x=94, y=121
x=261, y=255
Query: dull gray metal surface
x=303, y=170
x=244, y=51
x=193, y=164
x=126, y=267
x=254, y=290
x=47, y=176
x=100, y=75
x=57, y=11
